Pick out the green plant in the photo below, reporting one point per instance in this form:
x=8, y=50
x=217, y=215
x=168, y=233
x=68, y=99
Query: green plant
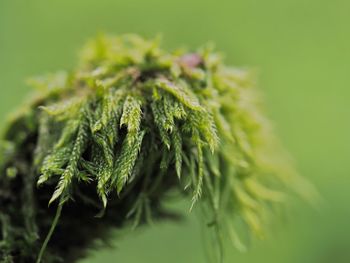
x=130, y=124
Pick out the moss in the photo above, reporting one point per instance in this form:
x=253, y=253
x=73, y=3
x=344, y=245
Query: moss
x=103, y=144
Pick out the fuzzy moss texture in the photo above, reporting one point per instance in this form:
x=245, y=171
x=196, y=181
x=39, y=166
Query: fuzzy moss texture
x=103, y=146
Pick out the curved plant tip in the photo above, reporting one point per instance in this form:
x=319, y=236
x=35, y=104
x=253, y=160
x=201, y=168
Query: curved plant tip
x=100, y=147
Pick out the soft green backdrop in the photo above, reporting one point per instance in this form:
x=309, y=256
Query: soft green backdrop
x=300, y=49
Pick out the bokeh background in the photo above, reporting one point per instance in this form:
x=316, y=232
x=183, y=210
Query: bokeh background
x=301, y=51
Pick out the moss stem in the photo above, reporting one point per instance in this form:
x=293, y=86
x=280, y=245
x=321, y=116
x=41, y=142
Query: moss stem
x=51, y=231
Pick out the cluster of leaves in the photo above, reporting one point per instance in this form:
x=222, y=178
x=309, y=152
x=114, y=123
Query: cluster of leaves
x=133, y=113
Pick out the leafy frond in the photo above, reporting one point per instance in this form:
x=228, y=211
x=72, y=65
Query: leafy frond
x=72, y=167
x=181, y=91
x=161, y=122
x=53, y=163
x=131, y=117
x=200, y=173
x=64, y=109
x=177, y=144
x=126, y=161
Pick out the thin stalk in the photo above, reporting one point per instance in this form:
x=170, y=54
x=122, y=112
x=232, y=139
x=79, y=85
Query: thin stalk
x=51, y=231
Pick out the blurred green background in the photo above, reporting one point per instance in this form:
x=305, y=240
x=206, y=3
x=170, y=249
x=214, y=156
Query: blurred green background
x=301, y=51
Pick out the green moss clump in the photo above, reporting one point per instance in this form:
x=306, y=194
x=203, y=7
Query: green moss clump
x=111, y=138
